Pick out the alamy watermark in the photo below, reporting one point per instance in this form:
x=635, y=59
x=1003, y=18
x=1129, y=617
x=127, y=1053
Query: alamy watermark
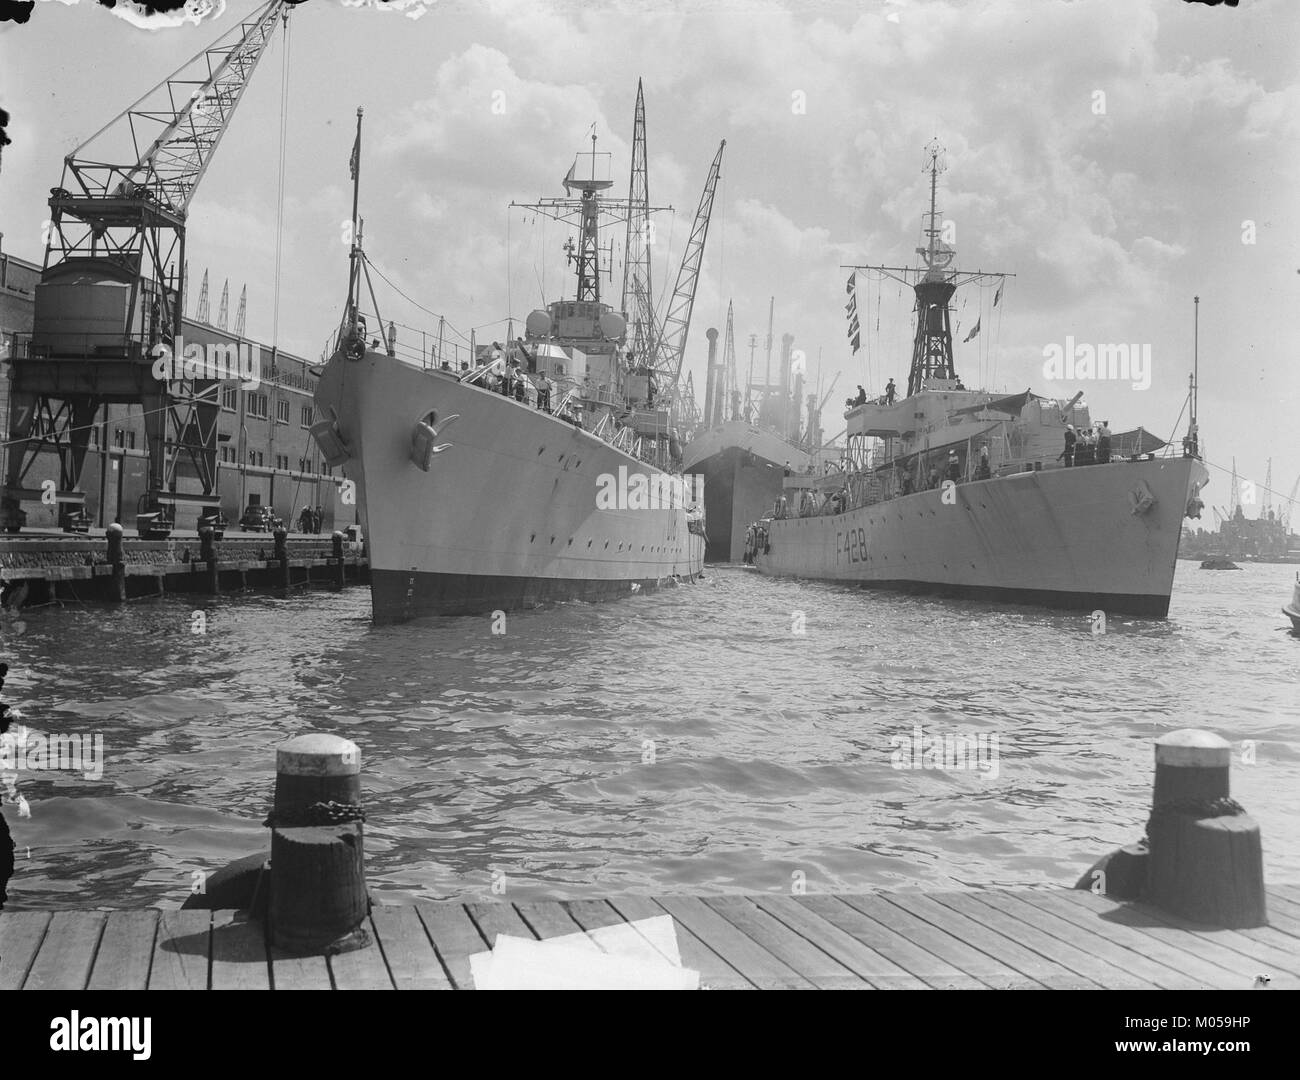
x=1078, y=362
x=656, y=491
x=21, y=749
x=950, y=752
x=216, y=361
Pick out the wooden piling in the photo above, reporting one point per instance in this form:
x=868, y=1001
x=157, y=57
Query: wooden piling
x=1206, y=862
x=318, y=887
x=340, y=567
x=282, y=553
x=117, y=588
x=208, y=553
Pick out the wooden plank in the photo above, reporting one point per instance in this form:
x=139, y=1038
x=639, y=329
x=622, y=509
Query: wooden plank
x=817, y=967
x=125, y=951
x=1203, y=973
x=499, y=918
x=239, y=956
x=969, y=925
x=1232, y=963
x=715, y=972
x=871, y=966
x=1288, y=891
x=549, y=919
x=181, y=950
x=900, y=950
x=944, y=940
x=412, y=960
x=1285, y=958
x=1111, y=965
x=1070, y=968
x=1283, y=915
x=455, y=936
x=21, y=933
x=361, y=969
x=740, y=950
x=943, y=943
x=289, y=972
x=67, y=951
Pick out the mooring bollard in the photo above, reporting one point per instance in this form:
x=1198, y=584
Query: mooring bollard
x=282, y=553
x=117, y=561
x=1205, y=862
x=340, y=568
x=208, y=554
x=318, y=881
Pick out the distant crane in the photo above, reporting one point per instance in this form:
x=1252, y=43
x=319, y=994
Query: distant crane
x=240, y=313
x=1290, y=502
x=730, y=387
x=202, y=314
x=223, y=312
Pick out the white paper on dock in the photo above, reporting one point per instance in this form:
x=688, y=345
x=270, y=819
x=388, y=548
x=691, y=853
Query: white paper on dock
x=629, y=956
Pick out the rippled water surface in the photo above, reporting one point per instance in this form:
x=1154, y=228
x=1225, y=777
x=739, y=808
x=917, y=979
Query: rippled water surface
x=685, y=741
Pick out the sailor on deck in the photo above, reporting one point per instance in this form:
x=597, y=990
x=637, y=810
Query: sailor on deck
x=890, y=391
x=1070, y=439
x=1103, y=443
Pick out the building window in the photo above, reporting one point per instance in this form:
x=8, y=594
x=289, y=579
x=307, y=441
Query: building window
x=281, y=412
x=308, y=416
x=261, y=461
x=130, y=440
x=119, y=438
x=229, y=398
x=256, y=404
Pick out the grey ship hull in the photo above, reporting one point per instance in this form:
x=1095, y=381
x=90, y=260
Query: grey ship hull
x=506, y=516
x=1068, y=538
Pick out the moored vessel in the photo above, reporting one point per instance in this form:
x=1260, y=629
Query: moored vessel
x=515, y=474
x=1017, y=497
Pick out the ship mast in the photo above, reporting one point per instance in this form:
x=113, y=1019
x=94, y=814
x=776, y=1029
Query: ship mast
x=934, y=284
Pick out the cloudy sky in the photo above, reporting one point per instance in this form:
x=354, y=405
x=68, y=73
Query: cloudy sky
x=1116, y=156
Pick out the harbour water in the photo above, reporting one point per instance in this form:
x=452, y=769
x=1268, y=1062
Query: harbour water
x=691, y=740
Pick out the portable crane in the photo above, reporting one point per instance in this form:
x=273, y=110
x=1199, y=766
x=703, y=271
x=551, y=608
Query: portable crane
x=112, y=283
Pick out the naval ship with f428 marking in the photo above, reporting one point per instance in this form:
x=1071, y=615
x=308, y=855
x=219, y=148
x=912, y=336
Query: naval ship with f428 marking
x=959, y=492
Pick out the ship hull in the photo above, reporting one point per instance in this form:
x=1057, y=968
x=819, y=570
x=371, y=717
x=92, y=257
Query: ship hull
x=743, y=468
x=506, y=517
x=1064, y=538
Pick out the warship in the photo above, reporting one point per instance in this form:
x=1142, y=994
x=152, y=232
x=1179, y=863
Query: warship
x=531, y=471
x=972, y=493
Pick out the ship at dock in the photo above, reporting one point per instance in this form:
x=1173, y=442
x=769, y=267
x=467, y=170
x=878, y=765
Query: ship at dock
x=749, y=439
x=542, y=468
x=970, y=493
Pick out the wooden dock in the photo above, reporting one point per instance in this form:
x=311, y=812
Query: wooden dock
x=980, y=939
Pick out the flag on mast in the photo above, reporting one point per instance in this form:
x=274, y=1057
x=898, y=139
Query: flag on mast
x=849, y=286
x=998, y=295
x=974, y=330
x=354, y=161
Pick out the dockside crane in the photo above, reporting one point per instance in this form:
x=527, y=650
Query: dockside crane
x=671, y=343
x=111, y=288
